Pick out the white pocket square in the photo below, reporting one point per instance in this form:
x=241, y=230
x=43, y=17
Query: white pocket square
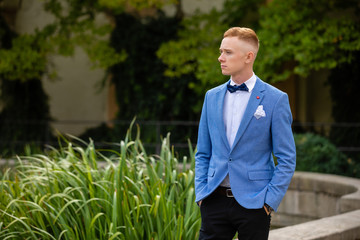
x=259, y=112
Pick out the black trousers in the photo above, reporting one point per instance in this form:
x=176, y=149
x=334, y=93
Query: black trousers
x=223, y=216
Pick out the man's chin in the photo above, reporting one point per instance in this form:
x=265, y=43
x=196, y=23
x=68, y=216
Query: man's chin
x=225, y=73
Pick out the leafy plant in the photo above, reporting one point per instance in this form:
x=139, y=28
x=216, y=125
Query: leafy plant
x=315, y=153
x=67, y=194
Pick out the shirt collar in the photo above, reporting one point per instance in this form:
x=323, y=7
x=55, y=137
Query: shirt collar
x=250, y=83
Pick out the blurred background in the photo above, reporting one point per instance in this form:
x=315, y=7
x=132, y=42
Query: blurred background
x=89, y=67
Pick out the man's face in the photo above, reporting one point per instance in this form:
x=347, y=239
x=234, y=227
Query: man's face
x=233, y=56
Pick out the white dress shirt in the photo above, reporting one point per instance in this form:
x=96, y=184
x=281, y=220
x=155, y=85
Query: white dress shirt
x=233, y=112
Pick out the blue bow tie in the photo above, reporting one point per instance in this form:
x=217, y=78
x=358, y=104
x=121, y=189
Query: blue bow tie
x=235, y=88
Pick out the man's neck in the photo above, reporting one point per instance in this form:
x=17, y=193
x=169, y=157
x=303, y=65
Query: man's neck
x=239, y=79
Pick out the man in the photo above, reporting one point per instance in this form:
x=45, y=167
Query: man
x=244, y=123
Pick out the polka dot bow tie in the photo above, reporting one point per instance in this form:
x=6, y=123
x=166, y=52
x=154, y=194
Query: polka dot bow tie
x=235, y=88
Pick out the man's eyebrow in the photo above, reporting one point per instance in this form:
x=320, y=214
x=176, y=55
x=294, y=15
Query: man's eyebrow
x=228, y=49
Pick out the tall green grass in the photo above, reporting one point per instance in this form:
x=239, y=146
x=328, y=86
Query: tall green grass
x=65, y=194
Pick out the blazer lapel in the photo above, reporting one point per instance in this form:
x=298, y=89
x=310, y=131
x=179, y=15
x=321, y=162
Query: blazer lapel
x=254, y=101
x=220, y=115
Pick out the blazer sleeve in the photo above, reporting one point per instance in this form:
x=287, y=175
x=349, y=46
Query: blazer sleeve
x=203, y=154
x=283, y=149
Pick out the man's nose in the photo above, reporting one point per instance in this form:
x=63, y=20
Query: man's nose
x=221, y=58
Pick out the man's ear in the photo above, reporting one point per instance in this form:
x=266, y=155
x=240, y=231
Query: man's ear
x=250, y=57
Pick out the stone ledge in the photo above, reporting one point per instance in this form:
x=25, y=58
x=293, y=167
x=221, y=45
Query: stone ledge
x=348, y=189
x=320, y=182
x=339, y=227
x=334, y=199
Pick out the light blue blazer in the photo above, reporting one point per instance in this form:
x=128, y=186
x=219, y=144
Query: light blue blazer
x=254, y=178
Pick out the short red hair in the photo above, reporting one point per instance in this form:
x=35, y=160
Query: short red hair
x=245, y=34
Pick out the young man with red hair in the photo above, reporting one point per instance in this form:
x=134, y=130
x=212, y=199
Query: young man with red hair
x=244, y=123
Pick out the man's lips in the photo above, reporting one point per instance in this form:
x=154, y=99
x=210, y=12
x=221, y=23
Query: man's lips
x=223, y=66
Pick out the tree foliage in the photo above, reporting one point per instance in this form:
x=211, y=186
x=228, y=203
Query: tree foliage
x=25, y=113
x=296, y=37
x=301, y=36
x=74, y=25
x=194, y=52
x=142, y=89
x=24, y=60
x=196, y=49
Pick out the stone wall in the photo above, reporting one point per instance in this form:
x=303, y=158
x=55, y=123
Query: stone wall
x=319, y=206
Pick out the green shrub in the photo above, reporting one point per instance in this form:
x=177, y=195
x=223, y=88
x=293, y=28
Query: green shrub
x=65, y=194
x=317, y=154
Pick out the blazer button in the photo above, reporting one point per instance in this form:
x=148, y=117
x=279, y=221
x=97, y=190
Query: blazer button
x=230, y=159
